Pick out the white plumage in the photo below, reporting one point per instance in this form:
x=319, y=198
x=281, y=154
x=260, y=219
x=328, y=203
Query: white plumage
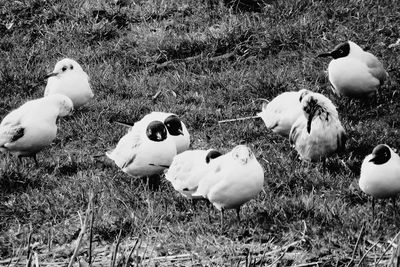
x=318, y=133
x=232, y=179
x=68, y=78
x=280, y=114
x=31, y=127
x=188, y=168
x=354, y=72
x=145, y=150
x=380, y=173
x=176, y=128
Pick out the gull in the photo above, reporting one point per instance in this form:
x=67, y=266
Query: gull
x=30, y=128
x=177, y=130
x=354, y=72
x=188, y=168
x=318, y=133
x=380, y=174
x=68, y=78
x=145, y=150
x=280, y=114
x=232, y=180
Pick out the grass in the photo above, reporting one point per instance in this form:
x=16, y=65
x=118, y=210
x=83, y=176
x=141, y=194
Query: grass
x=208, y=62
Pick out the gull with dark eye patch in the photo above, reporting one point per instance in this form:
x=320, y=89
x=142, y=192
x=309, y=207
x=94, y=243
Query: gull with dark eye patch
x=354, y=72
x=145, y=150
x=68, y=78
x=380, y=174
x=188, y=168
x=280, y=114
x=318, y=133
x=177, y=130
x=232, y=180
x=30, y=128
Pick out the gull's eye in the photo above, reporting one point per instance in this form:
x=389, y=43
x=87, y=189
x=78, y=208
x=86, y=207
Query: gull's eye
x=64, y=68
x=71, y=67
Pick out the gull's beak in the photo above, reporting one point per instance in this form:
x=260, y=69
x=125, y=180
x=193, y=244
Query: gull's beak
x=325, y=54
x=373, y=159
x=51, y=74
x=310, y=117
x=180, y=131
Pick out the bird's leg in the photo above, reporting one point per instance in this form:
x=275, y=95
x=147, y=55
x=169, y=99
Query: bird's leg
x=238, y=214
x=208, y=209
x=324, y=165
x=373, y=209
x=154, y=182
x=20, y=164
x=222, y=219
x=20, y=159
x=194, y=202
x=35, y=160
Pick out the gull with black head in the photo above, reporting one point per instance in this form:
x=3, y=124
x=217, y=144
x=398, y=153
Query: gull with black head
x=145, y=150
x=177, y=130
x=354, y=72
x=380, y=174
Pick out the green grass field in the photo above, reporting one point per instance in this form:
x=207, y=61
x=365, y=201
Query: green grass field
x=206, y=62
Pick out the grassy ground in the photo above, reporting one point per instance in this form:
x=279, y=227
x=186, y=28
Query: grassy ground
x=205, y=62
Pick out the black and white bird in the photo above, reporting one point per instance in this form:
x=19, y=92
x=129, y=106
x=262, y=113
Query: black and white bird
x=30, y=128
x=380, y=174
x=145, y=150
x=68, y=78
x=280, y=114
x=188, y=168
x=176, y=128
x=232, y=180
x=354, y=72
x=318, y=133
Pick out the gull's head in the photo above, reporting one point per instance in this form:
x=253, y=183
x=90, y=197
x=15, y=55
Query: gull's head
x=212, y=154
x=341, y=50
x=174, y=125
x=315, y=104
x=303, y=93
x=242, y=153
x=63, y=102
x=311, y=107
x=156, y=131
x=64, y=66
x=381, y=154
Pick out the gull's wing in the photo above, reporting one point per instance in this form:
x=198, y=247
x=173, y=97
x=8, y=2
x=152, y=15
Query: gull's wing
x=125, y=152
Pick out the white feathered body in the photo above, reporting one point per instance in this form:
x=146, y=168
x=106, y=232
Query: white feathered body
x=186, y=171
x=36, y=121
x=358, y=74
x=72, y=83
x=231, y=182
x=138, y=156
x=280, y=114
x=326, y=136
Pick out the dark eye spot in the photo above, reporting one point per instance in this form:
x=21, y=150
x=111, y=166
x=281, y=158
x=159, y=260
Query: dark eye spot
x=64, y=68
x=72, y=67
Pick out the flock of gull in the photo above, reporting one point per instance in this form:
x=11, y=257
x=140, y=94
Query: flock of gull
x=159, y=143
